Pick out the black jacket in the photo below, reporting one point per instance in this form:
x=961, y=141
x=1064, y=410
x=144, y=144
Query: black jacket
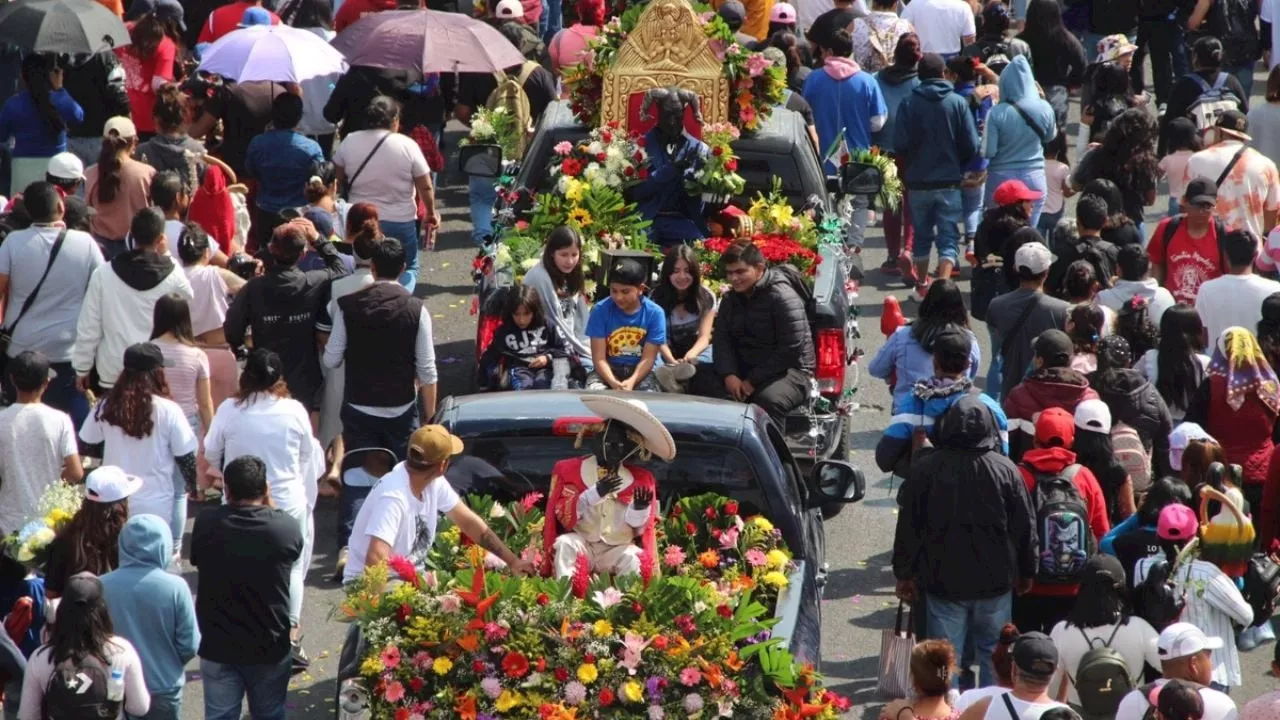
x=281, y=308
x=1135, y=402
x=966, y=525
x=354, y=90
x=761, y=335
x=97, y=83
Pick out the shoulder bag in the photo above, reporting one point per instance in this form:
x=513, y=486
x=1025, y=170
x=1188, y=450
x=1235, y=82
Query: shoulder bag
x=351, y=181
x=6, y=334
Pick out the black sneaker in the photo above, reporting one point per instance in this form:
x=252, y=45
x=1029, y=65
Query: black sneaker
x=300, y=660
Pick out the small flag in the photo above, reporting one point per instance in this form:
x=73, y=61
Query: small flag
x=837, y=151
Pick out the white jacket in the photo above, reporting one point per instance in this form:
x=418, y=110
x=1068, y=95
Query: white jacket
x=118, y=307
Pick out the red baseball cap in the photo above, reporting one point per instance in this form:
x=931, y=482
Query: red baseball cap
x=1012, y=191
x=1055, y=427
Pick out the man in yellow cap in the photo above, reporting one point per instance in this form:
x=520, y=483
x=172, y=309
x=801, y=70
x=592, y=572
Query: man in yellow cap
x=400, y=514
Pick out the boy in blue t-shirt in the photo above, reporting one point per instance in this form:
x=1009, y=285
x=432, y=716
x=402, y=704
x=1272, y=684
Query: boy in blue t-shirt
x=626, y=329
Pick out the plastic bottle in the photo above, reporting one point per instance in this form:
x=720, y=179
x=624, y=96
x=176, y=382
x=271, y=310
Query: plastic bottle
x=115, y=682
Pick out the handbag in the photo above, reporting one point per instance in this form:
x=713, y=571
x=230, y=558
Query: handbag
x=6, y=334
x=895, y=657
x=351, y=181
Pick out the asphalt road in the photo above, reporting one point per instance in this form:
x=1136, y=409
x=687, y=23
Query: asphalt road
x=858, y=603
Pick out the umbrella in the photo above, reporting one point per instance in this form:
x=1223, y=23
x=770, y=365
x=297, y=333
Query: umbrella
x=73, y=27
x=272, y=52
x=427, y=40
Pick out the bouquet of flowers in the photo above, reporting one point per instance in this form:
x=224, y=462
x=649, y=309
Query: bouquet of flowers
x=609, y=157
x=57, y=506
x=756, y=84
x=495, y=127
x=891, y=190
x=718, y=178
x=782, y=235
x=463, y=641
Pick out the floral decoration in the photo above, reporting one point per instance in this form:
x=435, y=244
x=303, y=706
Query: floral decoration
x=783, y=236
x=609, y=157
x=891, y=190
x=718, y=177
x=495, y=126
x=58, y=504
x=464, y=640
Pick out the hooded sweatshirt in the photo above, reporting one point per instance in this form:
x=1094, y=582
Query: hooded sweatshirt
x=896, y=83
x=842, y=96
x=1052, y=461
x=935, y=136
x=930, y=399
x=903, y=356
x=1059, y=387
x=152, y=608
x=966, y=526
x=1012, y=141
x=118, y=307
x=1135, y=402
x=1158, y=299
x=179, y=153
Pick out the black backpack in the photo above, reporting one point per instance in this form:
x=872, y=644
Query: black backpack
x=1062, y=523
x=1156, y=598
x=1102, y=678
x=1241, y=45
x=78, y=689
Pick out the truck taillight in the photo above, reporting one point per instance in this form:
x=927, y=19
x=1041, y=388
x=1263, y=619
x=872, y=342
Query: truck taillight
x=486, y=326
x=830, y=370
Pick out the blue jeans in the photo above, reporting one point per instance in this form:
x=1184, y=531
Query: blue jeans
x=971, y=199
x=1175, y=206
x=1245, y=75
x=407, y=233
x=935, y=215
x=1033, y=179
x=63, y=395
x=995, y=372
x=979, y=621
x=226, y=687
x=1048, y=221
x=483, y=193
x=552, y=19
x=164, y=706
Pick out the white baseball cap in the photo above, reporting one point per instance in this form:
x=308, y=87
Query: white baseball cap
x=110, y=484
x=509, y=10
x=1093, y=415
x=66, y=166
x=1033, y=256
x=120, y=125
x=1182, y=639
x=1181, y=437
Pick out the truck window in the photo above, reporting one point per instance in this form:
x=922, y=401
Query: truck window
x=795, y=487
x=759, y=170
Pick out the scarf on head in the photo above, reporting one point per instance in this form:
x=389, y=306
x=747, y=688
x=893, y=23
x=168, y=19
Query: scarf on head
x=1239, y=360
x=212, y=210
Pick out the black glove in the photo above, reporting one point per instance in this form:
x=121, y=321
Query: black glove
x=641, y=498
x=608, y=484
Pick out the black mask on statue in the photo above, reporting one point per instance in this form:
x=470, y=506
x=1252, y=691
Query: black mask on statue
x=671, y=118
x=614, y=445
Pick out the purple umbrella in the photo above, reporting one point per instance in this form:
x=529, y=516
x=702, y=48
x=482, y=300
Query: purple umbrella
x=428, y=41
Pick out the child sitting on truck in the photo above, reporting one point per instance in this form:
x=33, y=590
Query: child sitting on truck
x=626, y=330
x=525, y=348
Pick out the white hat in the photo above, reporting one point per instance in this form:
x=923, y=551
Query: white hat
x=1183, y=639
x=1180, y=438
x=110, y=484
x=509, y=10
x=1033, y=256
x=635, y=415
x=1093, y=415
x=119, y=125
x=66, y=166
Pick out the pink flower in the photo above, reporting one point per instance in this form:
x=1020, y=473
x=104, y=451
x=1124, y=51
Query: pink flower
x=757, y=64
x=491, y=687
x=422, y=661
x=673, y=557
x=756, y=558
x=450, y=603
x=394, y=692
x=690, y=677
x=494, y=633
x=391, y=657
x=608, y=597
x=564, y=147
x=728, y=686
x=717, y=47
x=729, y=538
x=747, y=115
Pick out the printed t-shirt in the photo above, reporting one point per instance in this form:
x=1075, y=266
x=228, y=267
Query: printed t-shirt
x=625, y=335
x=1190, y=261
x=138, y=74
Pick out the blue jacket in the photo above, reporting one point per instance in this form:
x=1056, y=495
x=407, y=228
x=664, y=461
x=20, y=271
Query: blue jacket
x=20, y=119
x=281, y=162
x=1012, y=141
x=903, y=354
x=980, y=112
x=149, y=607
x=935, y=135
x=662, y=198
x=844, y=97
x=929, y=400
x=895, y=85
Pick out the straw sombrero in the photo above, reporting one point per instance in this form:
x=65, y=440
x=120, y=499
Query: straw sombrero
x=634, y=414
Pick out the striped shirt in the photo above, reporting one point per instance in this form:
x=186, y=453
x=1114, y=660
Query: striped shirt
x=1213, y=602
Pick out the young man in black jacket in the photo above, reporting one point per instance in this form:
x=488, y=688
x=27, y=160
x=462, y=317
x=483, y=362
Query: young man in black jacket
x=762, y=342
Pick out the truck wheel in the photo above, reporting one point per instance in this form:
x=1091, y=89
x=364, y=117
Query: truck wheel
x=830, y=510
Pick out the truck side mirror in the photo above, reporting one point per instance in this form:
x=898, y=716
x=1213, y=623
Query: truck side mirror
x=837, y=481
x=480, y=160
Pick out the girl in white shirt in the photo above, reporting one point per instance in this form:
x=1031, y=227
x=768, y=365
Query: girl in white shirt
x=263, y=421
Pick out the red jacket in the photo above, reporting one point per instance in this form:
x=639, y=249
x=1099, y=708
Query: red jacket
x=1245, y=434
x=353, y=10
x=1053, y=460
x=1045, y=388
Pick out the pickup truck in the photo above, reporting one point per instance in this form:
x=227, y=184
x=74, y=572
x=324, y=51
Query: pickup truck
x=781, y=149
x=724, y=447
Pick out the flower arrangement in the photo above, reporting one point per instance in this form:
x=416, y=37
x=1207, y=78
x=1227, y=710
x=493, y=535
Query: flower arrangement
x=609, y=157
x=718, y=178
x=463, y=641
x=495, y=127
x=56, y=507
x=782, y=235
x=891, y=190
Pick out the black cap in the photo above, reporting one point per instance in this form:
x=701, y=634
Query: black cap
x=1201, y=191
x=1180, y=701
x=733, y=13
x=627, y=272
x=143, y=357
x=76, y=212
x=30, y=370
x=1104, y=569
x=1054, y=347
x=1035, y=655
x=952, y=342
x=1235, y=122
x=83, y=588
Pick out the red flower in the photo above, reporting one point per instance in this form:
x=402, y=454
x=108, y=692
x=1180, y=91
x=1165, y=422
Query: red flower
x=613, y=125
x=530, y=500
x=690, y=528
x=477, y=667
x=562, y=675
x=710, y=513
x=638, y=157
x=404, y=613
x=838, y=701
x=589, y=658
x=644, y=173
x=543, y=599
x=731, y=508
x=637, y=608
x=606, y=697
x=546, y=710
x=402, y=714
x=571, y=167
x=541, y=665
x=515, y=665
x=404, y=569
x=731, y=165
x=717, y=151
x=601, y=157
x=606, y=136
x=660, y=642
x=677, y=510
x=581, y=577
x=415, y=684
x=628, y=171
x=724, y=611
x=639, y=142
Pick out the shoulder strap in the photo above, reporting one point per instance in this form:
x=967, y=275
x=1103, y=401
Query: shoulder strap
x=31, y=299
x=1013, y=714
x=1069, y=472
x=528, y=69
x=1204, y=86
x=1219, y=81
x=351, y=182
x=1170, y=228
x=1231, y=165
x=1017, y=325
x=1027, y=118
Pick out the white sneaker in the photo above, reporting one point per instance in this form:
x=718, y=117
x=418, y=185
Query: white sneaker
x=1248, y=639
x=1265, y=633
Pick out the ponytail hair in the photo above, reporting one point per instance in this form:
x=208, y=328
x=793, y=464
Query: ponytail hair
x=323, y=175
x=35, y=75
x=193, y=243
x=364, y=242
x=109, y=167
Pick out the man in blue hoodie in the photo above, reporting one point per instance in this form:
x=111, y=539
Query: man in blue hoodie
x=845, y=100
x=936, y=138
x=153, y=610
x=1016, y=131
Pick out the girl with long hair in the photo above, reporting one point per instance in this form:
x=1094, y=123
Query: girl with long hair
x=150, y=60
x=1131, y=540
x=896, y=82
x=1127, y=157
x=558, y=279
x=1133, y=400
x=524, y=346
x=118, y=186
x=187, y=373
x=908, y=353
x=1178, y=365
x=1112, y=95
x=1085, y=325
x=146, y=434
x=1057, y=174
x=36, y=120
x=690, y=308
x=262, y=420
x=1183, y=141
x=88, y=542
x=933, y=666
x=82, y=634
x=1057, y=57
x=1133, y=323
x=1094, y=450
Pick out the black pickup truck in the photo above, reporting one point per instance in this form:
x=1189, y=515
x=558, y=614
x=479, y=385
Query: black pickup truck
x=782, y=150
x=514, y=439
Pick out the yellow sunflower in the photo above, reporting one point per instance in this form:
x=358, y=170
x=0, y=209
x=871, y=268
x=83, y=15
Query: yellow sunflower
x=580, y=217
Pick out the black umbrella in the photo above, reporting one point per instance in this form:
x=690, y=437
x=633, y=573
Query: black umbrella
x=75, y=27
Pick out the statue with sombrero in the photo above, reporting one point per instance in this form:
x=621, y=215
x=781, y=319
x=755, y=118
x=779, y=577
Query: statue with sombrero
x=601, y=503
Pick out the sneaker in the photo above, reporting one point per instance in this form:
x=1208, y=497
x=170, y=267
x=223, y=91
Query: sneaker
x=890, y=267
x=1265, y=633
x=671, y=378
x=340, y=566
x=300, y=660
x=969, y=255
x=1248, y=639
x=907, y=268
x=917, y=296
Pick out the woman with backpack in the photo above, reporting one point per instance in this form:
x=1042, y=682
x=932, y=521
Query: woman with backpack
x=1207, y=84
x=992, y=47
x=1099, y=639
x=1127, y=158
x=85, y=670
x=1133, y=401
x=1095, y=451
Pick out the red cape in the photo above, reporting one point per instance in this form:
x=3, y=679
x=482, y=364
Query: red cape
x=562, y=508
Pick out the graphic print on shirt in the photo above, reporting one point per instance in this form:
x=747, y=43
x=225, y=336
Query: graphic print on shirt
x=420, y=548
x=528, y=342
x=1189, y=270
x=626, y=341
x=134, y=80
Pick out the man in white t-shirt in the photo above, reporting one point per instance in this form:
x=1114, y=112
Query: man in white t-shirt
x=944, y=26
x=399, y=516
x=1236, y=297
x=1185, y=655
x=1035, y=660
x=37, y=443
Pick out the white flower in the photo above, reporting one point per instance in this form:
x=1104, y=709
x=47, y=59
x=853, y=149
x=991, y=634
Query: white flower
x=608, y=597
x=595, y=148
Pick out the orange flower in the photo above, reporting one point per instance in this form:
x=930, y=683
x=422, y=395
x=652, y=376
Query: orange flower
x=710, y=559
x=712, y=673
x=733, y=662
x=466, y=707
x=744, y=100
x=469, y=642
